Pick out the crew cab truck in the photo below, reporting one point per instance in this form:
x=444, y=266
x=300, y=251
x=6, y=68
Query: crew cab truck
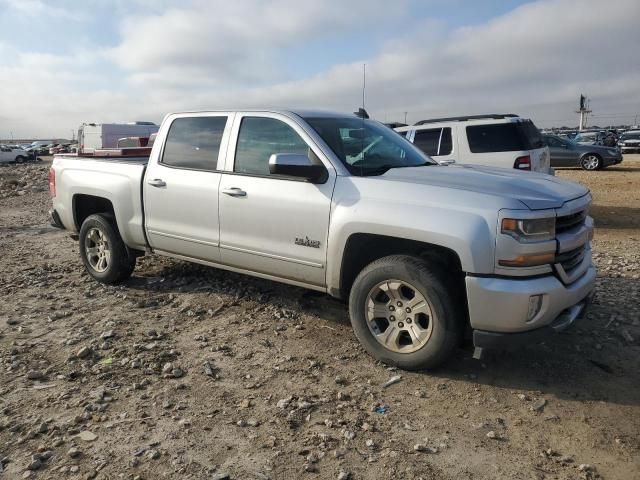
x=343, y=205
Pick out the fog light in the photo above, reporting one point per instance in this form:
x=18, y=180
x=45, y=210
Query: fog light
x=535, y=304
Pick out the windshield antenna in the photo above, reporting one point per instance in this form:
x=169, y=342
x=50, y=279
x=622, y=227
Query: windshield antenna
x=364, y=82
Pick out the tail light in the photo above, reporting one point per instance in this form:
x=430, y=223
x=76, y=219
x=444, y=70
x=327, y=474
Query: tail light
x=52, y=182
x=523, y=163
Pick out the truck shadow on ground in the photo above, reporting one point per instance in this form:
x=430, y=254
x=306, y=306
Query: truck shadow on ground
x=593, y=361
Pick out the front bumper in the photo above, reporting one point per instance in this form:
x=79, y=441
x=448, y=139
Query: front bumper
x=501, y=305
x=493, y=340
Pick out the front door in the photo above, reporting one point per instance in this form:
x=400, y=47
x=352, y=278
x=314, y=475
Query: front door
x=270, y=224
x=181, y=186
x=562, y=155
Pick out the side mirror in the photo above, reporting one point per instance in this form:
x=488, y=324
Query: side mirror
x=446, y=162
x=296, y=165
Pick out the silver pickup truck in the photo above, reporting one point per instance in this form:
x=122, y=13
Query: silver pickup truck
x=343, y=205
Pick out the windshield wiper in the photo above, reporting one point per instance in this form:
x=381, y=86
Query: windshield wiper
x=381, y=169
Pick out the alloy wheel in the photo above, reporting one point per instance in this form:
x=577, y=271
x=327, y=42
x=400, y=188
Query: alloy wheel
x=399, y=316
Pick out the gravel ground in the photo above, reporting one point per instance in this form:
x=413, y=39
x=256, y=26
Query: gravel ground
x=190, y=372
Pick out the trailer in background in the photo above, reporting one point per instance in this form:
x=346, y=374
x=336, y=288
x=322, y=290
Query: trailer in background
x=97, y=136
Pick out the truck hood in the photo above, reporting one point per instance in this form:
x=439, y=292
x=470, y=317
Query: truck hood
x=536, y=191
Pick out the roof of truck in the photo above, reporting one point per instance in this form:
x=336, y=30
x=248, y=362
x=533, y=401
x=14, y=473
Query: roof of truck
x=301, y=112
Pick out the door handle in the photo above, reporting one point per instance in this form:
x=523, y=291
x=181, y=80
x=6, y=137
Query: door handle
x=157, y=182
x=234, y=192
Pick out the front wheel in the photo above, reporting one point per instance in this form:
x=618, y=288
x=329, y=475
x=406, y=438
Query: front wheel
x=402, y=311
x=590, y=162
x=19, y=159
x=103, y=252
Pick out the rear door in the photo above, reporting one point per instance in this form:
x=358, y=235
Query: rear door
x=501, y=144
x=436, y=142
x=181, y=186
x=271, y=224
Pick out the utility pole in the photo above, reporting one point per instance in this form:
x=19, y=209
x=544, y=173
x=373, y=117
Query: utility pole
x=584, y=110
x=405, y=117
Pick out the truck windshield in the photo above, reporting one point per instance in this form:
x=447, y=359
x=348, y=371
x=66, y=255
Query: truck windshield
x=366, y=147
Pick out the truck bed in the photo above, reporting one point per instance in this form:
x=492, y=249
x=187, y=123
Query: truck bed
x=134, y=159
x=116, y=179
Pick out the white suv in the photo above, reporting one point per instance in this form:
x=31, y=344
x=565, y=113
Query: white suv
x=495, y=140
x=12, y=153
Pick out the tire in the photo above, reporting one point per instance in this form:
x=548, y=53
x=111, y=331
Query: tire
x=20, y=159
x=591, y=162
x=103, y=252
x=436, y=329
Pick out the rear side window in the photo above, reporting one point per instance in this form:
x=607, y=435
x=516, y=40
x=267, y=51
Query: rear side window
x=434, y=141
x=194, y=143
x=261, y=137
x=503, y=137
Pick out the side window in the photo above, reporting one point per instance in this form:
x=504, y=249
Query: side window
x=194, y=142
x=428, y=140
x=261, y=137
x=446, y=143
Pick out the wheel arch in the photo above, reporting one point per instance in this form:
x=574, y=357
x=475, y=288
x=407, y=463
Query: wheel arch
x=363, y=248
x=84, y=205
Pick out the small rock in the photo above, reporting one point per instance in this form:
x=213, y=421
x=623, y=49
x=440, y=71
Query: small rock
x=421, y=447
x=539, y=405
x=370, y=443
x=74, y=452
x=393, y=380
x=35, y=463
x=340, y=380
x=585, y=467
x=153, y=454
x=344, y=475
x=87, y=436
x=177, y=373
x=84, y=352
x=492, y=435
x=167, y=368
x=35, y=375
x=221, y=476
x=310, y=467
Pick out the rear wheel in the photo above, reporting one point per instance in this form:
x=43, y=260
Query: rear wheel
x=591, y=161
x=402, y=312
x=103, y=252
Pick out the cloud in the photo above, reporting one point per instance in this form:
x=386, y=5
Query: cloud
x=216, y=43
x=534, y=60
x=38, y=8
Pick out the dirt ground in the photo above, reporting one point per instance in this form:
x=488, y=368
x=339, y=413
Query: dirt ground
x=189, y=372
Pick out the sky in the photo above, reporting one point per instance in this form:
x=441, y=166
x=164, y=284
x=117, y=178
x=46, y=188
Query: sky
x=66, y=62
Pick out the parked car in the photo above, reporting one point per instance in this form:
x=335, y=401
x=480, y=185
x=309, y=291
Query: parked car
x=421, y=251
x=565, y=153
x=502, y=140
x=589, y=138
x=13, y=154
x=630, y=141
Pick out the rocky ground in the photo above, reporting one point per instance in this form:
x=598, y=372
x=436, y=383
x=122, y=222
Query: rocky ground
x=190, y=372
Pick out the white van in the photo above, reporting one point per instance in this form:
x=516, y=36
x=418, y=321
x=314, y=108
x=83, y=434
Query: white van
x=95, y=136
x=496, y=140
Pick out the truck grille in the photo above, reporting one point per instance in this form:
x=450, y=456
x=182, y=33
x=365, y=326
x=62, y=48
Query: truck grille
x=571, y=259
x=568, y=222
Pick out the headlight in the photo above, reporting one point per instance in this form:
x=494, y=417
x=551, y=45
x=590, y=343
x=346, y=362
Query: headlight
x=531, y=230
